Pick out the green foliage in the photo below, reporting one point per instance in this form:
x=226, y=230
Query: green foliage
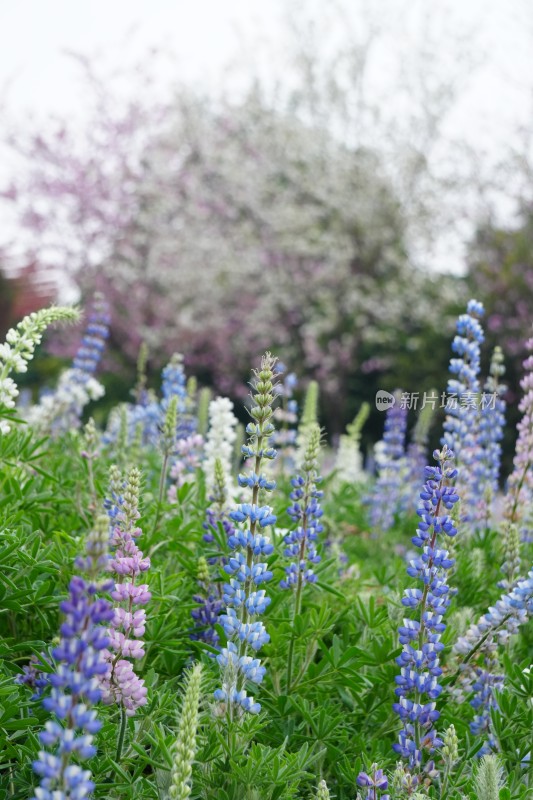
x=337, y=718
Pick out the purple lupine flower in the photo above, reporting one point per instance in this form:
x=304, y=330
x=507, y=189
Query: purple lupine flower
x=75, y=684
x=120, y=684
x=417, y=685
x=520, y=484
x=494, y=629
x=248, y=571
x=305, y=510
x=174, y=384
x=34, y=677
x=417, y=454
x=188, y=458
x=92, y=344
x=286, y=415
x=210, y=603
x=486, y=468
x=461, y=426
x=387, y=495
x=376, y=783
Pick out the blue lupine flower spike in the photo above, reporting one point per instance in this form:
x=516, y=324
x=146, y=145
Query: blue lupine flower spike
x=417, y=685
x=243, y=598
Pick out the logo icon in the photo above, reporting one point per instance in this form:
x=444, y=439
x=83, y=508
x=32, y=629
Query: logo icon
x=384, y=400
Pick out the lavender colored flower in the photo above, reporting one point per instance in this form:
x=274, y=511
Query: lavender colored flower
x=188, y=458
x=376, y=783
x=386, y=498
x=243, y=597
x=417, y=685
x=120, y=684
x=34, y=677
x=519, y=496
x=75, y=685
x=486, y=467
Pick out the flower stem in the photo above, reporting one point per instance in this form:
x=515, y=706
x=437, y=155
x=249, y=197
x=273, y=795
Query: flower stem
x=121, y=733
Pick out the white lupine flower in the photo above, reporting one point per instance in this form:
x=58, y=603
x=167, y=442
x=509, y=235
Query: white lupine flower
x=19, y=349
x=349, y=462
x=8, y=392
x=219, y=444
x=62, y=409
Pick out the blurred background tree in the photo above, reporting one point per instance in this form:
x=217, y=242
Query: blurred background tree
x=286, y=215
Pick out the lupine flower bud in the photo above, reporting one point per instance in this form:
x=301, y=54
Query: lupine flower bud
x=185, y=746
x=511, y=548
x=168, y=437
x=309, y=417
x=450, y=747
x=488, y=778
x=322, y=791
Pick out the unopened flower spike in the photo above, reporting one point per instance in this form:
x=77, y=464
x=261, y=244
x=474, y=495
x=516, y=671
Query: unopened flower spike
x=184, y=749
x=286, y=415
x=243, y=596
x=519, y=496
x=322, y=792
x=309, y=417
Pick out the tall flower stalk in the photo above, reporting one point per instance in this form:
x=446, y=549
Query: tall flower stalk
x=349, y=461
x=75, y=683
x=519, y=496
x=387, y=494
x=300, y=544
x=461, y=426
x=417, y=685
x=479, y=648
x=486, y=468
x=120, y=683
x=185, y=745
x=243, y=598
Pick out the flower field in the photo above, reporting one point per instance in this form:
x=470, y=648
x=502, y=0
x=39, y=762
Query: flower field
x=196, y=608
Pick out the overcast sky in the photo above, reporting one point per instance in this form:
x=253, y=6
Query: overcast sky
x=37, y=78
